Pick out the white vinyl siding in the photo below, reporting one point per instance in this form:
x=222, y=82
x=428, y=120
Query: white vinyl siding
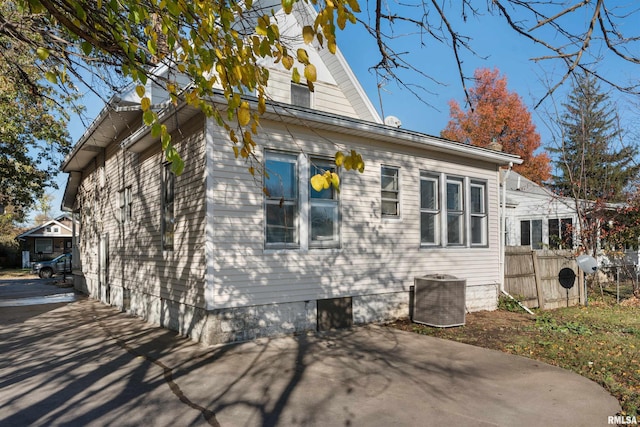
x=373, y=257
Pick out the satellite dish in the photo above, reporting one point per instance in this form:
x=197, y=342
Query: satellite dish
x=392, y=121
x=587, y=263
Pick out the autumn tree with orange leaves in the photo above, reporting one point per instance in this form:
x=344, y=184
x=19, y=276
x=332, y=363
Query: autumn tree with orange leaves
x=500, y=115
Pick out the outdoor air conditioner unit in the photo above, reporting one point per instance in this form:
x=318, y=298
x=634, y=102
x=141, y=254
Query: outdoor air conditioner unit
x=439, y=300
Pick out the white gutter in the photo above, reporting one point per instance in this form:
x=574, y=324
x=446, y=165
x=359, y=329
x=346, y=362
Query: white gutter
x=502, y=245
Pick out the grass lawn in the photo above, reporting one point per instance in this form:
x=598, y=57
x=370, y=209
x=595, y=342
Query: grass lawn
x=600, y=342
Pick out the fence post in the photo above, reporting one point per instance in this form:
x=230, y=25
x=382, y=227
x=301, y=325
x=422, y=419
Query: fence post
x=536, y=271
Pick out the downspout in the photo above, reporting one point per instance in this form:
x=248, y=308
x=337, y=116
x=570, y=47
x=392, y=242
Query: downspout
x=503, y=221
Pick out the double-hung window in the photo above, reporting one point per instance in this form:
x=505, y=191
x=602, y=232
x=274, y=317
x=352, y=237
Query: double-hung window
x=300, y=95
x=478, y=212
x=168, y=213
x=531, y=233
x=281, y=200
x=455, y=211
x=323, y=210
x=560, y=233
x=125, y=204
x=390, y=191
x=429, y=209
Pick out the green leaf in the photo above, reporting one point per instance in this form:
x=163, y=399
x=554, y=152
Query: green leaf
x=148, y=117
x=51, y=76
x=42, y=53
x=86, y=48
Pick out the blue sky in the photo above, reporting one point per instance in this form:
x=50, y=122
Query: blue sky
x=496, y=46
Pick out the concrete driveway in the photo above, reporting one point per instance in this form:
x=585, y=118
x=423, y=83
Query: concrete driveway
x=83, y=363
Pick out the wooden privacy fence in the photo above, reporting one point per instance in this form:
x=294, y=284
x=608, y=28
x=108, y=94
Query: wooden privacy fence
x=533, y=275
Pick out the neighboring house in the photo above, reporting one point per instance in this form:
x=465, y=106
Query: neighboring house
x=536, y=217
x=48, y=240
x=210, y=255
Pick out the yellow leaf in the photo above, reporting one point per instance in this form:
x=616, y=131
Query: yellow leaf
x=339, y=158
x=307, y=34
x=335, y=180
x=244, y=114
x=310, y=73
x=331, y=44
x=145, y=103
x=287, y=62
x=303, y=56
x=295, y=75
x=318, y=182
x=140, y=90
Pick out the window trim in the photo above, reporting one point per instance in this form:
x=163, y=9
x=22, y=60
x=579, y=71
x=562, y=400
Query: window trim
x=47, y=241
x=300, y=86
x=334, y=202
x=484, y=214
x=167, y=226
x=295, y=202
x=125, y=204
x=397, y=191
x=436, y=212
x=461, y=211
x=530, y=236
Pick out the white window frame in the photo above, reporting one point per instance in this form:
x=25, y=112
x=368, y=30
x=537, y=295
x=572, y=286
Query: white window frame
x=460, y=214
x=461, y=210
x=125, y=204
x=274, y=200
x=386, y=198
x=302, y=88
x=434, y=211
x=530, y=236
x=332, y=202
x=168, y=215
x=481, y=215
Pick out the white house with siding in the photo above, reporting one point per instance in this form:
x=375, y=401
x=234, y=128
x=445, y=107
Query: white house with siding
x=212, y=256
x=537, y=217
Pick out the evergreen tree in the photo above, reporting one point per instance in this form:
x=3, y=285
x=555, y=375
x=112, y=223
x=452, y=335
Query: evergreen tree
x=591, y=164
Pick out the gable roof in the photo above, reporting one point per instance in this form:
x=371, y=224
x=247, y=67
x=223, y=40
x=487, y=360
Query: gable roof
x=40, y=230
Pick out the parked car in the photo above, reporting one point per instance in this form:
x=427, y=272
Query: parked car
x=46, y=269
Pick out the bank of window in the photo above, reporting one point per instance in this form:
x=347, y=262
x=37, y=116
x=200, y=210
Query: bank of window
x=531, y=233
x=300, y=95
x=478, y=213
x=43, y=246
x=168, y=210
x=561, y=233
x=455, y=211
x=281, y=200
x=126, y=204
x=323, y=210
x=390, y=191
x=429, y=209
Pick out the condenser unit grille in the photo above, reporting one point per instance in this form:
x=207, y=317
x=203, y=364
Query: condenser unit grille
x=439, y=300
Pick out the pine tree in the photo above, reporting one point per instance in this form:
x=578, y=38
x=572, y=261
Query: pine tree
x=590, y=163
